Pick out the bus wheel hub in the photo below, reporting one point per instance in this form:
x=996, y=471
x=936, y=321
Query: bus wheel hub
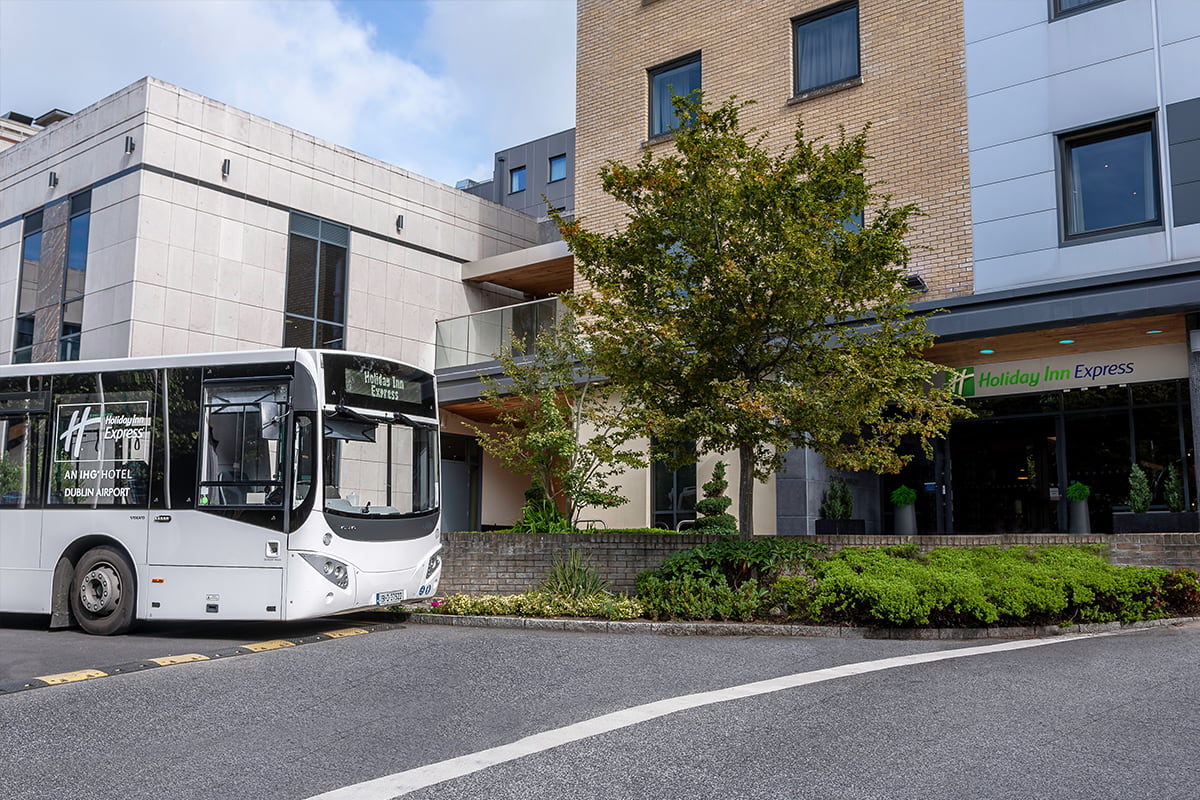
x=100, y=590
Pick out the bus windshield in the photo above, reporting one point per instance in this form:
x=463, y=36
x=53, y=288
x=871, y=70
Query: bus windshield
x=379, y=442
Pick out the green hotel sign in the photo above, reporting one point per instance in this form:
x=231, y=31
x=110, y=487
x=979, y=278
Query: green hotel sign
x=1081, y=371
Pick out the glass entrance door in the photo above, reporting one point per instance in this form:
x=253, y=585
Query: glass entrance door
x=1006, y=475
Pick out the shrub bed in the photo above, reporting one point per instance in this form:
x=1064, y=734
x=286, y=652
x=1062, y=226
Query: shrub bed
x=788, y=579
x=899, y=587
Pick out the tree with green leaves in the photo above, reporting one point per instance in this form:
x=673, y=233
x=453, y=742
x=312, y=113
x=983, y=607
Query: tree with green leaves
x=756, y=302
x=557, y=423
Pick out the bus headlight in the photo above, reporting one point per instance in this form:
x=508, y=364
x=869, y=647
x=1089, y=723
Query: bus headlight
x=434, y=562
x=334, y=571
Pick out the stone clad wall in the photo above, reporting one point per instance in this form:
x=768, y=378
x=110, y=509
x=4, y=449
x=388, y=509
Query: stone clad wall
x=510, y=563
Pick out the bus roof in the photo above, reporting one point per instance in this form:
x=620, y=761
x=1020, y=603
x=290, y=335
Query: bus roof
x=274, y=355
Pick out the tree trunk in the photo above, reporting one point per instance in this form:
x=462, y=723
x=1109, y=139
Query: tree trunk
x=746, y=491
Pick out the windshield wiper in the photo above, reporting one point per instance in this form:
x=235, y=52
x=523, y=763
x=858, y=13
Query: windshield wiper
x=412, y=423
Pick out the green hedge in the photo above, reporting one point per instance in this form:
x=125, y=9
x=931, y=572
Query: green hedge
x=786, y=579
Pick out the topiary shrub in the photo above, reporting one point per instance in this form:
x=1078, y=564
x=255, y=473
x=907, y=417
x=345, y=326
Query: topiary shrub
x=1173, y=489
x=904, y=496
x=838, y=503
x=1139, y=490
x=714, y=505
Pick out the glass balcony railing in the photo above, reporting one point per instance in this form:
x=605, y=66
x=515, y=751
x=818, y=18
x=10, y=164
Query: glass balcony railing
x=479, y=337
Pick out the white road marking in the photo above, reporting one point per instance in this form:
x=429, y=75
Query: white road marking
x=401, y=783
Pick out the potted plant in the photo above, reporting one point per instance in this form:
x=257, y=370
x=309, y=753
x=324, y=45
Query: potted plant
x=904, y=498
x=836, y=511
x=1079, y=519
x=1140, y=519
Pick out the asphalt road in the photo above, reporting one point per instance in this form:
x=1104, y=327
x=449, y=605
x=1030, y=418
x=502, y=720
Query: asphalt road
x=28, y=649
x=1109, y=716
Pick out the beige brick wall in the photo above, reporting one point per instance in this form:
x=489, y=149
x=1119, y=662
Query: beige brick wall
x=913, y=93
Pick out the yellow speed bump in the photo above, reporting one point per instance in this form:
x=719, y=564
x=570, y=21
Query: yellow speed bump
x=71, y=677
x=167, y=661
x=338, y=634
x=274, y=644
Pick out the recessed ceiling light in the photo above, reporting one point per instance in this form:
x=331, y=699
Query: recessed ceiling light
x=1154, y=331
x=987, y=351
x=1066, y=341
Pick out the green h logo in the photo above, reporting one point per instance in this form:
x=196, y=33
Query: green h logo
x=961, y=381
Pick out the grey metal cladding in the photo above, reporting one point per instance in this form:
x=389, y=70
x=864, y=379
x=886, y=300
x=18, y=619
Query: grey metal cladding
x=1185, y=198
x=1183, y=141
x=1183, y=121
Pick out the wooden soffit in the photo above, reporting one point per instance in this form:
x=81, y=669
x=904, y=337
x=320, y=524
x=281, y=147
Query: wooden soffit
x=539, y=271
x=1116, y=335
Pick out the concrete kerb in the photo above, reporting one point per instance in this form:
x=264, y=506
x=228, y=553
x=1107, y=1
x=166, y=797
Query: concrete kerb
x=763, y=629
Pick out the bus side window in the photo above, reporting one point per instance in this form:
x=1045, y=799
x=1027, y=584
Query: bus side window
x=302, y=459
x=24, y=443
x=242, y=450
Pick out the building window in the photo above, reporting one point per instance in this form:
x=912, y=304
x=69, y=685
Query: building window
x=558, y=168
x=679, y=78
x=516, y=179
x=1062, y=8
x=31, y=264
x=826, y=43
x=315, y=315
x=1110, y=179
x=78, y=228
x=674, y=493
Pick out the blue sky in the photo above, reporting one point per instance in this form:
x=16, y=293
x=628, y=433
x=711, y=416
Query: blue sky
x=434, y=86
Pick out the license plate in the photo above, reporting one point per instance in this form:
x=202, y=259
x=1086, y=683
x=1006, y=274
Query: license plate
x=387, y=598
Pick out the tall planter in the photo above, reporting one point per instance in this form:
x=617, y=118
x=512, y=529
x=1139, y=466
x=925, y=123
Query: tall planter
x=1080, y=520
x=906, y=520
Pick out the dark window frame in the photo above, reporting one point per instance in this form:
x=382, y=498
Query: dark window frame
x=70, y=333
x=1068, y=141
x=550, y=168
x=316, y=322
x=1058, y=12
x=31, y=227
x=654, y=72
x=512, y=176
x=838, y=83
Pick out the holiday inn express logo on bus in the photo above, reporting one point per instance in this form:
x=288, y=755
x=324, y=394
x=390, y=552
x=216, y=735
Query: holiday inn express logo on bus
x=1080, y=371
x=103, y=431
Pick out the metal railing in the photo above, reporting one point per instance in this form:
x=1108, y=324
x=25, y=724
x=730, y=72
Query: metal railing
x=479, y=337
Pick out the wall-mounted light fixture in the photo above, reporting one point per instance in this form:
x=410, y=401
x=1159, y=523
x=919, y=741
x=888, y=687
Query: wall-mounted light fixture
x=53, y=179
x=399, y=223
x=225, y=168
x=915, y=283
x=128, y=145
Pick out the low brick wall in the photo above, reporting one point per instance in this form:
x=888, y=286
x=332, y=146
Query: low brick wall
x=509, y=563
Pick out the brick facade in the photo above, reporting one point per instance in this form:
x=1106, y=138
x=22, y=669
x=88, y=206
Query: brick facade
x=913, y=92
x=511, y=563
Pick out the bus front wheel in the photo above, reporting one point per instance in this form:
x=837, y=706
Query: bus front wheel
x=103, y=592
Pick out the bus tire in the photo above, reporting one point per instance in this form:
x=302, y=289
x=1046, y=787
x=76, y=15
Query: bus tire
x=103, y=592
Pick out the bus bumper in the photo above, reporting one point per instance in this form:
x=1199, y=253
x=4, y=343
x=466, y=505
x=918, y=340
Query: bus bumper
x=314, y=592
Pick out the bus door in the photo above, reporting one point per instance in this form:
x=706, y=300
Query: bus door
x=24, y=414
x=221, y=550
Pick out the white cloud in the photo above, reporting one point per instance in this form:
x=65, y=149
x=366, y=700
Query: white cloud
x=311, y=66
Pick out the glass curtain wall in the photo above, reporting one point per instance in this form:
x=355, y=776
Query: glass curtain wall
x=1012, y=464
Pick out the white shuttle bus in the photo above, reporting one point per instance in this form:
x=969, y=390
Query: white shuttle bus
x=269, y=485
